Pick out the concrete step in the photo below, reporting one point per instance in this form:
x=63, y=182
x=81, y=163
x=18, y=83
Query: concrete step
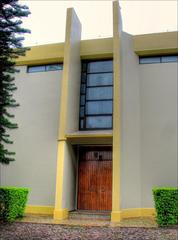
x=90, y=215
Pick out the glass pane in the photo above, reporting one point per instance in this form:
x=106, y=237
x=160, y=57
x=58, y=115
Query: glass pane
x=100, y=66
x=99, y=79
x=82, y=111
x=53, y=67
x=144, y=60
x=99, y=122
x=82, y=100
x=103, y=107
x=36, y=69
x=99, y=93
x=169, y=59
x=81, y=123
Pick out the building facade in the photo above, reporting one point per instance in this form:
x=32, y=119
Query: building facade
x=97, y=122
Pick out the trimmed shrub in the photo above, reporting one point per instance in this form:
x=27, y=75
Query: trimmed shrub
x=12, y=203
x=166, y=204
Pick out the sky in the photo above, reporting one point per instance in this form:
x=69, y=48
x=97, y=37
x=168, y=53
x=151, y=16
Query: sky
x=47, y=18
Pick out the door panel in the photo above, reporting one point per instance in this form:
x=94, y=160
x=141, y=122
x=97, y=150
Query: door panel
x=105, y=185
x=88, y=185
x=95, y=178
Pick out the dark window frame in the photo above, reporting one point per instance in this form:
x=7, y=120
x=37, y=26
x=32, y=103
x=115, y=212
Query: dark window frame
x=45, y=67
x=157, y=56
x=84, y=75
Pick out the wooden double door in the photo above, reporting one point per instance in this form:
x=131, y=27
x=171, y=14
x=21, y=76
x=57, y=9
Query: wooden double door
x=95, y=178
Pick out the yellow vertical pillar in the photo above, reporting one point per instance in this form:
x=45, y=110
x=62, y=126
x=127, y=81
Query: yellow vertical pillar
x=117, y=25
x=69, y=105
x=60, y=212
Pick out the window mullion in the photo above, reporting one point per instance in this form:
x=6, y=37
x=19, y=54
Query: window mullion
x=99, y=112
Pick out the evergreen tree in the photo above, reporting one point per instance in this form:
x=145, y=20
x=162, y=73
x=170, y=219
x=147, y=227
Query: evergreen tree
x=11, y=13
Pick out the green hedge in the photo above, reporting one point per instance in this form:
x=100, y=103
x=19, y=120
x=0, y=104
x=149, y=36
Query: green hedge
x=166, y=204
x=12, y=203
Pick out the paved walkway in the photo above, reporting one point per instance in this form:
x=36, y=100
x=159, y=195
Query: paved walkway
x=34, y=231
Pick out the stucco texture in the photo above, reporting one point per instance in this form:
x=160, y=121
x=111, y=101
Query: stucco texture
x=35, y=142
x=148, y=127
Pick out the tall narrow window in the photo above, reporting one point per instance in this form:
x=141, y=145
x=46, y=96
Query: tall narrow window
x=96, y=95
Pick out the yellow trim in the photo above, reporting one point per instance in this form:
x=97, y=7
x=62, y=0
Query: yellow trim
x=156, y=43
x=115, y=215
x=60, y=175
x=89, y=138
x=62, y=139
x=52, y=53
x=70, y=42
x=147, y=44
x=61, y=214
x=132, y=213
x=42, y=54
x=156, y=52
x=39, y=209
x=148, y=212
x=97, y=48
x=64, y=88
x=137, y=212
x=69, y=66
x=69, y=136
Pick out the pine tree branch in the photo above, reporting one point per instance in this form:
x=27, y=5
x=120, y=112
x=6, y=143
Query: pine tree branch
x=11, y=31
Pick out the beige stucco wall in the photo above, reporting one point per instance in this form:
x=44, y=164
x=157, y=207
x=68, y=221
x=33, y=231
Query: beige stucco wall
x=158, y=89
x=130, y=125
x=72, y=63
x=35, y=142
x=70, y=178
x=148, y=127
x=69, y=116
x=148, y=131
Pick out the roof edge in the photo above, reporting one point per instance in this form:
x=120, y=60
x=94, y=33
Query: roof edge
x=144, y=45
